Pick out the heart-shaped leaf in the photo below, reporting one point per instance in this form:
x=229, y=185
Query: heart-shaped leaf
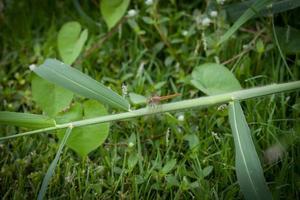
x=113, y=10
x=49, y=97
x=212, y=79
x=85, y=139
x=70, y=41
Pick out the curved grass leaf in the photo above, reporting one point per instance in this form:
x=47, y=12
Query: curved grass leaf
x=70, y=41
x=250, y=12
x=235, y=10
x=53, y=164
x=49, y=97
x=212, y=78
x=84, y=140
x=25, y=120
x=113, y=10
x=248, y=167
x=65, y=76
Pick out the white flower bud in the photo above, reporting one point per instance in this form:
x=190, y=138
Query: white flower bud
x=149, y=2
x=213, y=14
x=185, y=33
x=32, y=67
x=206, y=21
x=132, y=13
x=130, y=144
x=180, y=117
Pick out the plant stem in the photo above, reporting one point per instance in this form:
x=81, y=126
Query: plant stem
x=201, y=102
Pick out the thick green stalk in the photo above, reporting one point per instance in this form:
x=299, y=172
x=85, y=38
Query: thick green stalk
x=201, y=102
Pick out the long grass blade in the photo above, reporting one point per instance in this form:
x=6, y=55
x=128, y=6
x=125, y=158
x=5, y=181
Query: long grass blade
x=250, y=12
x=53, y=164
x=61, y=74
x=26, y=120
x=235, y=10
x=248, y=167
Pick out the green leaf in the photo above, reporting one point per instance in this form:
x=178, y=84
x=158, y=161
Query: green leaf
x=235, y=10
x=132, y=160
x=172, y=180
x=53, y=164
x=49, y=97
x=70, y=78
x=70, y=41
x=25, y=120
x=168, y=166
x=192, y=140
x=289, y=39
x=212, y=78
x=248, y=167
x=85, y=139
x=250, y=12
x=137, y=99
x=113, y=10
x=207, y=171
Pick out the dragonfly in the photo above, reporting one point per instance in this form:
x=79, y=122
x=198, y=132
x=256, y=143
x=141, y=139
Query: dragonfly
x=155, y=100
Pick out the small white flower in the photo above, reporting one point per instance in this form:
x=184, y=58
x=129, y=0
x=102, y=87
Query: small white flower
x=185, y=33
x=149, y=2
x=132, y=13
x=213, y=14
x=32, y=67
x=206, y=21
x=222, y=107
x=124, y=90
x=180, y=118
x=130, y=144
x=221, y=2
x=167, y=136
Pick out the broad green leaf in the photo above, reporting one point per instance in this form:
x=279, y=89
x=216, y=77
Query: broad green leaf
x=132, y=160
x=113, y=10
x=289, y=39
x=250, y=12
x=53, y=164
x=25, y=120
x=192, y=140
x=207, y=170
x=85, y=139
x=70, y=78
x=49, y=97
x=248, y=167
x=212, y=78
x=70, y=41
x=137, y=99
x=168, y=166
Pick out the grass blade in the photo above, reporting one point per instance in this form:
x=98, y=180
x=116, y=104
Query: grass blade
x=235, y=10
x=248, y=168
x=250, y=12
x=53, y=164
x=25, y=120
x=61, y=74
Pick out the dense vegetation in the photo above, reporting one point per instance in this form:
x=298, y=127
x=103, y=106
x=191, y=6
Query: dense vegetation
x=182, y=155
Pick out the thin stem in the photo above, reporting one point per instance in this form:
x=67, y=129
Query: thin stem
x=201, y=102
